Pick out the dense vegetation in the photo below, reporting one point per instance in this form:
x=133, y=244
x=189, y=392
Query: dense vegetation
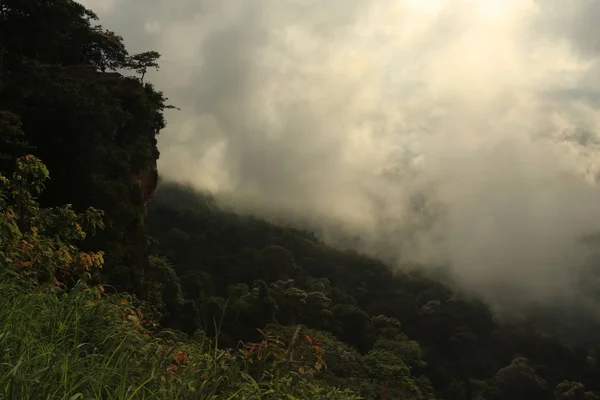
x=409, y=326
x=64, y=339
x=186, y=299
x=94, y=129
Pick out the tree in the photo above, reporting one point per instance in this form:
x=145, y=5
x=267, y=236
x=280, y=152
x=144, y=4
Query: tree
x=387, y=369
x=349, y=323
x=519, y=381
x=278, y=262
x=50, y=31
x=290, y=300
x=105, y=49
x=142, y=61
x=11, y=141
x=567, y=390
x=40, y=243
x=165, y=293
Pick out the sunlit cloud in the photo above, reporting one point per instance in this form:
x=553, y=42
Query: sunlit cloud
x=350, y=110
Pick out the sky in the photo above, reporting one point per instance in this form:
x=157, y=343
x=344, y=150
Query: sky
x=440, y=131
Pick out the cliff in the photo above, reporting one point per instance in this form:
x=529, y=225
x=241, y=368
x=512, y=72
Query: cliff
x=145, y=182
x=95, y=128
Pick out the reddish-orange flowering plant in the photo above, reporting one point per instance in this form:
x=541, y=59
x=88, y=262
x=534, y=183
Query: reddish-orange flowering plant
x=40, y=243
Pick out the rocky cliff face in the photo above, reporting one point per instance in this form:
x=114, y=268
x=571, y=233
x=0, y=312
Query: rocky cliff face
x=147, y=180
x=125, y=204
x=145, y=183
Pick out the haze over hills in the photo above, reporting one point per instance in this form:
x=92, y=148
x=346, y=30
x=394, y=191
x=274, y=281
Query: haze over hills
x=455, y=132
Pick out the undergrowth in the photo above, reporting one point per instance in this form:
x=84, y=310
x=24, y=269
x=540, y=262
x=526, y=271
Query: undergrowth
x=62, y=339
x=83, y=344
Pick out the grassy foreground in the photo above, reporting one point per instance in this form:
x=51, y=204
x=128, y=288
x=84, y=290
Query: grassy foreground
x=83, y=344
x=63, y=338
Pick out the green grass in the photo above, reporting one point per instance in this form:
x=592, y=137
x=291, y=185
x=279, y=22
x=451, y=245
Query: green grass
x=80, y=345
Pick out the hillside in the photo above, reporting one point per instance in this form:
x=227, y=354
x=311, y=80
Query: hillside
x=220, y=259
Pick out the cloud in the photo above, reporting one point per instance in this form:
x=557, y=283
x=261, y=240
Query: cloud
x=441, y=131
x=574, y=22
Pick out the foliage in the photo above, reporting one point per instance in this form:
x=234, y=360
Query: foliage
x=164, y=295
x=407, y=332
x=11, y=141
x=40, y=243
x=302, y=353
x=95, y=129
x=77, y=342
x=84, y=344
x=142, y=61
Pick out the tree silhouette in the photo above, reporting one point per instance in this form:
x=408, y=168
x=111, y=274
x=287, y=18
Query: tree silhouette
x=142, y=61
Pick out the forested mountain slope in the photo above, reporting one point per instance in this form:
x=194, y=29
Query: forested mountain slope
x=250, y=272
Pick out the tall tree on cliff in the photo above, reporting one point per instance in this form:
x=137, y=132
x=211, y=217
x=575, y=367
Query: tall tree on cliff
x=142, y=61
x=94, y=129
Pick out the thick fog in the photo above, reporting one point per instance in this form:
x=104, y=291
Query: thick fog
x=457, y=131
